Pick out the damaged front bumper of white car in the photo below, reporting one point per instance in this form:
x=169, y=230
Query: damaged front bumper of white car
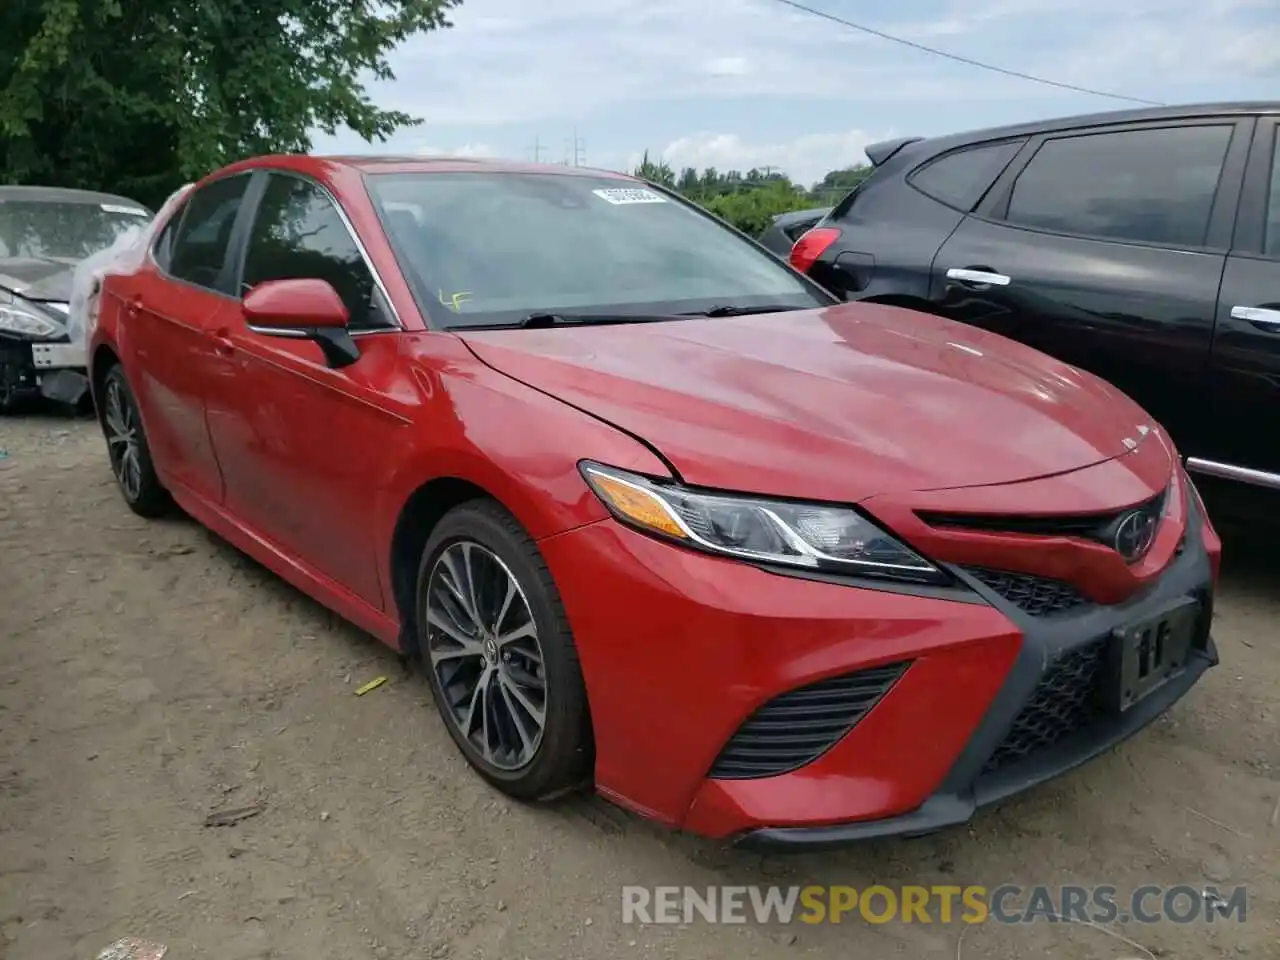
x=37, y=356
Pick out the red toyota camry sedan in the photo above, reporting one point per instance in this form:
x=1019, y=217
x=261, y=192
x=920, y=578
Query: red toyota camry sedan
x=655, y=512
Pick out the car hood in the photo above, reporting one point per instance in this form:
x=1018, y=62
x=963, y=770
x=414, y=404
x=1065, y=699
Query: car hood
x=38, y=278
x=841, y=403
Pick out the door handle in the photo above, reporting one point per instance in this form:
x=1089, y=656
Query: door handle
x=223, y=343
x=1260, y=317
x=133, y=307
x=973, y=275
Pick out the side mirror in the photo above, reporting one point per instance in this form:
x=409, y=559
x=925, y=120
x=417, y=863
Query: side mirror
x=303, y=309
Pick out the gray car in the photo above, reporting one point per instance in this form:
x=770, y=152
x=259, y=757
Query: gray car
x=787, y=228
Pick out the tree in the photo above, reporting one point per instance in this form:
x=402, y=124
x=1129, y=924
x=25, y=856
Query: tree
x=837, y=183
x=753, y=208
x=659, y=173
x=750, y=201
x=138, y=96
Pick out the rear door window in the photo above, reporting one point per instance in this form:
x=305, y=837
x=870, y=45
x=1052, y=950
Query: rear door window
x=200, y=243
x=1272, y=237
x=1152, y=186
x=959, y=179
x=163, y=248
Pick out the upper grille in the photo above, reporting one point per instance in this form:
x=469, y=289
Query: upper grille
x=1098, y=527
x=1064, y=701
x=1038, y=596
x=798, y=727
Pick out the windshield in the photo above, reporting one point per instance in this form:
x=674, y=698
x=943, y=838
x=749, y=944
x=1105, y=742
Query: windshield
x=62, y=230
x=490, y=248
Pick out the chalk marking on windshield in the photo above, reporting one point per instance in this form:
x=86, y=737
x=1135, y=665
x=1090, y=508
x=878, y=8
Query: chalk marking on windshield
x=623, y=195
x=455, y=301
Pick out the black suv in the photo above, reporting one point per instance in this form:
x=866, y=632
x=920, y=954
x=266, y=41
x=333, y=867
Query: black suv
x=1143, y=246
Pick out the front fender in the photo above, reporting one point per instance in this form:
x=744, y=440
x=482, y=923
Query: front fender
x=517, y=444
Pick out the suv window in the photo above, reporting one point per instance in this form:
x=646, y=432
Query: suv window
x=1153, y=186
x=1272, y=239
x=299, y=233
x=960, y=179
x=199, y=245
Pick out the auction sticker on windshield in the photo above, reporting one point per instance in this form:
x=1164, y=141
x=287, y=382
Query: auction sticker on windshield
x=620, y=195
x=116, y=208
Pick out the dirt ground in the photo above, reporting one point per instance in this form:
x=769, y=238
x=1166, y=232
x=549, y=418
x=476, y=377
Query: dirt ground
x=150, y=674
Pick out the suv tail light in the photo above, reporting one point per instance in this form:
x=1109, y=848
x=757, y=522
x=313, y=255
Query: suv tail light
x=811, y=246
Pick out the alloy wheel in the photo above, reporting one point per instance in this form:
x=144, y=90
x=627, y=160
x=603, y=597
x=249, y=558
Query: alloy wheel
x=121, y=419
x=482, y=643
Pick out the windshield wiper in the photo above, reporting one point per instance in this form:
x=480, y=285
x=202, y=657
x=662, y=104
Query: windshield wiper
x=542, y=319
x=728, y=310
x=548, y=319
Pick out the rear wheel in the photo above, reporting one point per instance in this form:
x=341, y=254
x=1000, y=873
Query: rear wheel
x=500, y=658
x=127, y=448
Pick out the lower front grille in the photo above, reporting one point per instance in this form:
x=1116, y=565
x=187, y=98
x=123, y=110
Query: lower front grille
x=798, y=727
x=1065, y=701
x=1038, y=596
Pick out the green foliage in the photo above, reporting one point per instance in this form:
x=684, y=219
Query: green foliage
x=137, y=96
x=750, y=200
x=754, y=209
x=837, y=183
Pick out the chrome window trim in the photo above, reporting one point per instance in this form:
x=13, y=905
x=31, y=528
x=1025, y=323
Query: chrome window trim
x=293, y=333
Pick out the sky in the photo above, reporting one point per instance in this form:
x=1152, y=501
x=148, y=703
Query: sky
x=740, y=83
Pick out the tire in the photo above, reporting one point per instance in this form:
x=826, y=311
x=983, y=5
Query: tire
x=9, y=399
x=476, y=533
x=137, y=480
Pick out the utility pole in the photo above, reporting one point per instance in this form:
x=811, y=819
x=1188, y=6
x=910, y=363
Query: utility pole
x=575, y=151
x=536, y=149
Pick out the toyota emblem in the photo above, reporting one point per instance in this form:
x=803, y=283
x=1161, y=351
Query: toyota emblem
x=1135, y=533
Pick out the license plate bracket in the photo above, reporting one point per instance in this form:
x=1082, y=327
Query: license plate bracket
x=47, y=356
x=1148, y=653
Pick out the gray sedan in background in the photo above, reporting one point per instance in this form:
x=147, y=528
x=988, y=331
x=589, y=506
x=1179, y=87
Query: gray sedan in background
x=787, y=228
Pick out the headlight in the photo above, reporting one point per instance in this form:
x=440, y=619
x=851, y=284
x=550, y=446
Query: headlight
x=811, y=536
x=26, y=319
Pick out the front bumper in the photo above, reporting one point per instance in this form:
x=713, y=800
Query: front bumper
x=705, y=642
x=50, y=368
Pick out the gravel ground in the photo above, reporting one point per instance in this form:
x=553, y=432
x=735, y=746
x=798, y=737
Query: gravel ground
x=150, y=675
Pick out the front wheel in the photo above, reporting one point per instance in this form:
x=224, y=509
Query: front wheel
x=128, y=450
x=499, y=655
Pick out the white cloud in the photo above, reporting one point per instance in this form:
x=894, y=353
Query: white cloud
x=477, y=150
x=805, y=159
x=727, y=66
x=769, y=85
x=512, y=61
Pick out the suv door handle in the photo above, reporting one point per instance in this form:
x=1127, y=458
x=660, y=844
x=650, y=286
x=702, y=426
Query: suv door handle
x=133, y=307
x=1260, y=317
x=978, y=276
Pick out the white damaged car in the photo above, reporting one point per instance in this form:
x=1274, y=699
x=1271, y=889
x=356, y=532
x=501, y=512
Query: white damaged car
x=45, y=233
